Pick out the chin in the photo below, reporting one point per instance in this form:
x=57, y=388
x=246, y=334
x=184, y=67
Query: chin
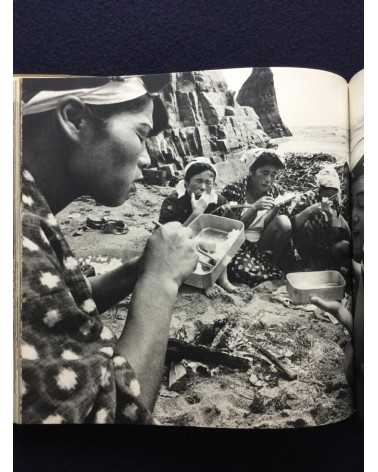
x=114, y=200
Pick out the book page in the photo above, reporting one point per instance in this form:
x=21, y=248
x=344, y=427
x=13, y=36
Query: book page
x=356, y=117
x=219, y=330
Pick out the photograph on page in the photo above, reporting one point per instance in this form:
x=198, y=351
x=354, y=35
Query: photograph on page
x=185, y=239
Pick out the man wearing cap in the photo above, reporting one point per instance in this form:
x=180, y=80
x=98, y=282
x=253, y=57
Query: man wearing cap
x=87, y=137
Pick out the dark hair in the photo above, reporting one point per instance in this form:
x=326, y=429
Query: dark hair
x=198, y=168
x=266, y=159
x=99, y=113
x=159, y=115
x=153, y=83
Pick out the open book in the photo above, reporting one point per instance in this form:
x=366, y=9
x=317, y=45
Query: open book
x=185, y=251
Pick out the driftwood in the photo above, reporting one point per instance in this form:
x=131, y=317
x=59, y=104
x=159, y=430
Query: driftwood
x=178, y=350
x=285, y=371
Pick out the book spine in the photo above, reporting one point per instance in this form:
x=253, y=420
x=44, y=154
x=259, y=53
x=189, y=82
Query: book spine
x=17, y=246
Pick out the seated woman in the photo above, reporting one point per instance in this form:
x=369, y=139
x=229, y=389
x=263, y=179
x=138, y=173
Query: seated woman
x=267, y=248
x=320, y=232
x=194, y=196
x=312, y=222
x=87, y=136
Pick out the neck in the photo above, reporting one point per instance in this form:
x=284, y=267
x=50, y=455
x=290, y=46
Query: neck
x=47, y=164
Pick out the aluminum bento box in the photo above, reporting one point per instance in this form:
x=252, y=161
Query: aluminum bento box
x=216, y=229
x=327, y=284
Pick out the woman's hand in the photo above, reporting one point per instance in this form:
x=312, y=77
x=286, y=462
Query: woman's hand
x=170, y=253
x=264, y=203
x=337, y=310
x=199, y=206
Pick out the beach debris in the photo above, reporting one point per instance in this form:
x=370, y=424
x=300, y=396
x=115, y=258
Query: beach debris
x=199, y=368
x=255, y=381
x=285, y=371
x=178, y=350
x=109, y=226
x=87, y=269
x=168, y=394
x=257, y=406
x=177, y=372
x=281, y=296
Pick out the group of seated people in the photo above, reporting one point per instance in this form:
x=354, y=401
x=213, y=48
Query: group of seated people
x=87, y=137
x=311, y=227
x=307, y=232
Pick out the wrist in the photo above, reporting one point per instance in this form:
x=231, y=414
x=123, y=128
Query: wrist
x=198, y=211
x=162, y=283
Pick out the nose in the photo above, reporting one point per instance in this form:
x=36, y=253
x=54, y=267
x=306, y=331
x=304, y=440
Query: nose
x=144, y=159
x=355, y=218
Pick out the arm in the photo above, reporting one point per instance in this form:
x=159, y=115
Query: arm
x=170, y=257
x=263, y=203
x=114, y=286
x=248, y=216
x=144, y=340
x=337, y=310
x=199, y=207
x=301, y=218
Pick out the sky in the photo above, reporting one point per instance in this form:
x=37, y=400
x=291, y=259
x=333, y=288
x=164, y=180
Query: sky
x=306, y=97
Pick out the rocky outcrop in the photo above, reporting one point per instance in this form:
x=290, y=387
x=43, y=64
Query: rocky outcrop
x=205, y=120
x=259, y=93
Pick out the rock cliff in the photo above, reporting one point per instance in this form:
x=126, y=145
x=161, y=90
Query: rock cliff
x=259, y=93
x=205, y=120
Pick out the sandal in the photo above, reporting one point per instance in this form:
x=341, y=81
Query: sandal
x=108, y=226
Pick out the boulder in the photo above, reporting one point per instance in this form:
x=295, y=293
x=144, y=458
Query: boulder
x=258, y=92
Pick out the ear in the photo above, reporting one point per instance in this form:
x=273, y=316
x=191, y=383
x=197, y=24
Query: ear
x=70, y=113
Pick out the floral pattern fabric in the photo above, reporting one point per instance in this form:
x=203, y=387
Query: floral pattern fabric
x=71, y=372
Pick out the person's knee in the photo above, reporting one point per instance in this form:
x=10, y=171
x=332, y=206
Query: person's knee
x=342, y=248
x=283, y=225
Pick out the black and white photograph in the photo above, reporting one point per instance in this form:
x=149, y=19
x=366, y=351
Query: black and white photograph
x=190, y=244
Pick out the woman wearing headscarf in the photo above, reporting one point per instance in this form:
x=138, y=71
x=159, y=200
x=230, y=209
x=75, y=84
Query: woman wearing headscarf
x=194, y=196
x=321, y=234
x=87, y=137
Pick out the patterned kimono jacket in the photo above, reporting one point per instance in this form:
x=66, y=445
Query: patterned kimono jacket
x=70, y=370
x=252, y=266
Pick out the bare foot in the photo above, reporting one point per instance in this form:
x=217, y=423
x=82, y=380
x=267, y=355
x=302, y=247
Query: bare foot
x=225, y=283
x=216, y=291
x=213, y=291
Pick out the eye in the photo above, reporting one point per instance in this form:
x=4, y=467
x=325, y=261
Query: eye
x=141, y=137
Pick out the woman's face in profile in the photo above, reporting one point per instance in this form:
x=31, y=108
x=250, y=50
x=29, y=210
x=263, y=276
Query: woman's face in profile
x=112, y=158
